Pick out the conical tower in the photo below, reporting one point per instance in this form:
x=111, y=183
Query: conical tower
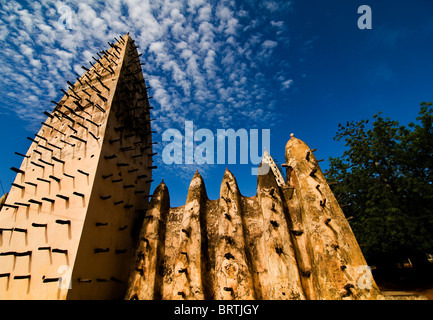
x=290, y=241
x=69, y=223
x=329, y=257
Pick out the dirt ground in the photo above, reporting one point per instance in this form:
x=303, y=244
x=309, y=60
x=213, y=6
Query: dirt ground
x=402, y=290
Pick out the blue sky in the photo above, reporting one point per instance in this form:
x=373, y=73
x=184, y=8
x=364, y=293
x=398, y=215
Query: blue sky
x=288, y=66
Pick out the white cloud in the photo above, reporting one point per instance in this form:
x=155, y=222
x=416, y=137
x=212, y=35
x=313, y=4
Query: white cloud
x=269, y=44
x=26, y=51
x=3, y=32
x=287, y=84
x=194, y=4
x=204, y=13
x=157, y=47
x=278, y=24
x=267, y=49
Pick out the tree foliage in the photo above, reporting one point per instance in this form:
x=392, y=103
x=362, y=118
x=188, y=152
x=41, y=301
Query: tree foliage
x=385, y=182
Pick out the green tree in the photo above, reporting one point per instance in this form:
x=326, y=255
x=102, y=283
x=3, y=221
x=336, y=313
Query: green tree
x=385, y=182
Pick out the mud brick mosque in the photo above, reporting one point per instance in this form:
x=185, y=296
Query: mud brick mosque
x=79, y=222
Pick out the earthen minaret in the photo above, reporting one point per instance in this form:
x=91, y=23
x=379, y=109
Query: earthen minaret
x=68, y=226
